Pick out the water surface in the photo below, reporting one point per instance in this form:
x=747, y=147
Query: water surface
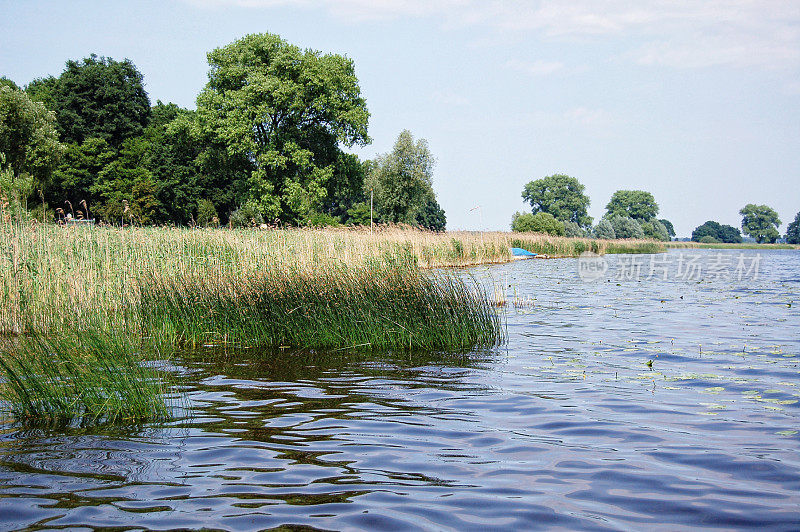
x=566, y=426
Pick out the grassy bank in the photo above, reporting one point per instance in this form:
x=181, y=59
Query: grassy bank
x=744, y=245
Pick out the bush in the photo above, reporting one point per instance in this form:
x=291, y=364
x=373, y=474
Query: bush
x=625, y=227
x=708, y=239
x=604, y=230
x=572, y=229
x=541, y=222
x=320, y=219
x=207, y=214
x=655, y=229
x=248, y=215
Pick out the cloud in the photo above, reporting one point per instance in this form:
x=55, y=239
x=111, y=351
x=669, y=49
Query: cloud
x=690, y=34
x=536, y=68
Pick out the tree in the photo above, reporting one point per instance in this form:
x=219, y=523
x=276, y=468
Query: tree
x=760, y=222
x=636, y=204
x=28, y=137
x=625, y=227
x=345, y=188
x=97, y=97
x=541, y=222
x=559, y=195
x=793, y=231
x=669, y=227
x=402, y=183
x=654, y=229
x=604, y=230
x=432, y=216
x=717, y=231
x=571, y=229
x=284, y=111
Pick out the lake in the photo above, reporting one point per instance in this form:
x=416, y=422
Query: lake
x=633, y=392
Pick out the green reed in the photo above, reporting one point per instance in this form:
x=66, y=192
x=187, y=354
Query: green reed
x=370, y=307
x=90, y=378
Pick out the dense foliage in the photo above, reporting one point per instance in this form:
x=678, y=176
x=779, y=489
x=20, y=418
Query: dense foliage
x=793, y=231
x=561, y=196
x=541, y=222
x=717, y=231
x=264, y=146
x=401, y=185
x=760, y=222
x=636, y=204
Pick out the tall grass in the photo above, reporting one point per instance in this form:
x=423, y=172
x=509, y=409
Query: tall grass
x=375, y=306
x=89, y=378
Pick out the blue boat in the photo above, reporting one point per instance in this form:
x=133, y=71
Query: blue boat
x=522, y=253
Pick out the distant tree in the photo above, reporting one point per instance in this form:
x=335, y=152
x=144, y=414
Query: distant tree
x=285, y=111
x=793, y=231
x=604, y=230
x=541, y=222
x=636, y=204
x=97, y=97
x=761, y=222
x=721, y=233
x=401, y=183
x=625, y=227
x=654, y=229
x=559, y=195
x=669, y=227
x=28, y=137
x=571, y=229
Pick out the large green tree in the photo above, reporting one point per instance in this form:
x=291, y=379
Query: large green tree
x=760, y=222
x=96, y=97
x=285, y=111
x=717, y=231
x=793, y=231
x=636, y=204
x=559, y=195
x=401, y=182
x=28, y=137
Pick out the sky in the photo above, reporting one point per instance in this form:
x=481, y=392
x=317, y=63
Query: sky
x=697, y=102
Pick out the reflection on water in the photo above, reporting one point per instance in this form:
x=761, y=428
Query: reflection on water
x=566, y=426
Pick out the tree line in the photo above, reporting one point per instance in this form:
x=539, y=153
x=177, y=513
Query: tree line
x=559, y=206
x=266, y=144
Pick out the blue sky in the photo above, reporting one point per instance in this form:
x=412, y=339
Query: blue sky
x=696, y=102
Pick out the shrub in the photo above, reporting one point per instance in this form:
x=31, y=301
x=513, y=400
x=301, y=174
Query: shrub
x=573, y=230
x=656, y=230
x=604, y=230
x=248, y=215
x=207, y=214
x=708, y=239
x=625, y=227
x=541, y=222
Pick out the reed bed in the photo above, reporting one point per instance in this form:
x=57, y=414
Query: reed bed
x=378, y=306
x=92, y=378
x=84, y=308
